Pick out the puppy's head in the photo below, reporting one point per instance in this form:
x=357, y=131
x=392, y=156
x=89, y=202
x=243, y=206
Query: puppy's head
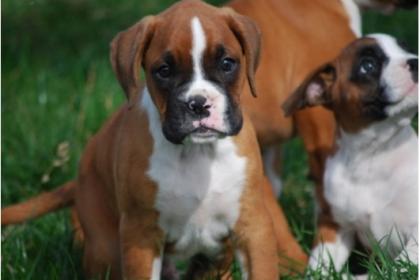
x=386, y=6
x=196, y=59
x=373, y=79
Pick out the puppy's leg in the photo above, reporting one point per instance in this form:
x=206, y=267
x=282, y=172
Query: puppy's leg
x=257, y=252
x=291, y=256
x=410, y=250
x=142, y=244
x=335, y=251
x=255, y=239
x=317, y=127
x=100, y=227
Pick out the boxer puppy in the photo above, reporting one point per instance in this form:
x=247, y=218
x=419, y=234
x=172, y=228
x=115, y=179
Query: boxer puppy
x=371, y=178
x=177, y=170
x=296, y=38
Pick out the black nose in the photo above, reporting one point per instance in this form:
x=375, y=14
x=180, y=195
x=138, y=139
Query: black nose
x=413, y=64
x=197, y=105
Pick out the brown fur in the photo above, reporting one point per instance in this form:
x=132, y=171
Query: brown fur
x=297, y=37
x=344, y=99
x=291, y=49
x=134, y=202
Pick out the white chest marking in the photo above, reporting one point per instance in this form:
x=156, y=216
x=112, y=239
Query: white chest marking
x=199, y=188
x=353, y=12
x=157, y=268
x=371, y=183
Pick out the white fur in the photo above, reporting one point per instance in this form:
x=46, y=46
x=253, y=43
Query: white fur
x=269, y=158
x=199, y=188
x=216, y=100
x=353, y=13
x=410, y=251
x=371, y=184
x=396, y=77
x=241, y=259
x=332, y=253
x=157, y=265
x=156, y=268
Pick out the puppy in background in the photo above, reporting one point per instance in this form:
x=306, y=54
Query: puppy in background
x=370, y=179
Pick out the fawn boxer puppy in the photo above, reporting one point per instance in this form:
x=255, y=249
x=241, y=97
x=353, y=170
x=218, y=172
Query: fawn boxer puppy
x=177, y=170
x=371, y=178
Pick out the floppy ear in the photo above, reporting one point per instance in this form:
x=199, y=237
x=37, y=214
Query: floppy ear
x=249, y=36
x=313, y=91
x=127, y=50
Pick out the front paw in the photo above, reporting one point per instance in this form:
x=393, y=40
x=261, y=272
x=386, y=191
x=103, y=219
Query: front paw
x=320, y=260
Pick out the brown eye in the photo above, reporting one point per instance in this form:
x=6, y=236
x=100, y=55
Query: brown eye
x=228, y=65
x=164, y=71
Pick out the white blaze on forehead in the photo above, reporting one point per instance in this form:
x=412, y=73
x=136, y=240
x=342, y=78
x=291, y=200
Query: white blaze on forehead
x=390, y=46
x=198, y=46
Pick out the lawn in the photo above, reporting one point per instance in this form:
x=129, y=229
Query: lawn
x=58, y=88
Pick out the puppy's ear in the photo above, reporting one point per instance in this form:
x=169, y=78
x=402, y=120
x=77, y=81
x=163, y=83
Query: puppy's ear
x=248, y=34
x=127, y=50
x=313, y=91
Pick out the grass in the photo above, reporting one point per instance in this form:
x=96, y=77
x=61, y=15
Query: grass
x=58, y=88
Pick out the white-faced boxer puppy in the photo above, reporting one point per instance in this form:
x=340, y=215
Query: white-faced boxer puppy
x=178, y=169
x=370, y=181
